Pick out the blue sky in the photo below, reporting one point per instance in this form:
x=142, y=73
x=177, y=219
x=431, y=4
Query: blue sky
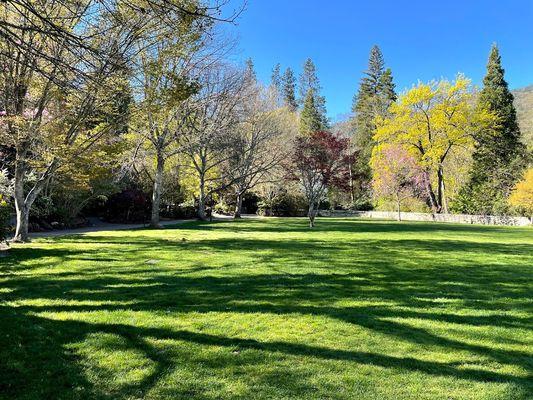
x=421, y=40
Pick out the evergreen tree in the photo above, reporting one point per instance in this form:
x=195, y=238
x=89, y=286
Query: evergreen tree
x=289, y=90
x=309, y=81
x=376, y=93
x=499, y=156
x=250, y=70
x=386, y=92
x=310, y=118
x=275, y=79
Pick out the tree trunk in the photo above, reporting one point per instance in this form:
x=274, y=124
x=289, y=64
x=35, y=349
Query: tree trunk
x=399, y=210
x=312, y=215
x=440, y=189
x=23, y=216
x=156, y=196
x=22, y=206
x=433, y=198
x=238, y=206
x=24, y=202
x=352, y=189
x=201, y=201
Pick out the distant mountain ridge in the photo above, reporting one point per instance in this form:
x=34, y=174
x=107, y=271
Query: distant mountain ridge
x=524, y=109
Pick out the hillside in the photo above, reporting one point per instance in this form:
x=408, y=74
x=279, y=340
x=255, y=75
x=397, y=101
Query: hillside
x=524, y=108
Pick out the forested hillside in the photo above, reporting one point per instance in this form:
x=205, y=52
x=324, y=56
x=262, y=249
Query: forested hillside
x=524, y=109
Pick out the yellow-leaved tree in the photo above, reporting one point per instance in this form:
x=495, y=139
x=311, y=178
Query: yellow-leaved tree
x=522, y=196
x=433, y=121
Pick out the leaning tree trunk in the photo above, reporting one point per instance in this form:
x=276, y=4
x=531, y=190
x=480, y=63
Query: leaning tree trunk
x=433, y=199
x=238, y=206
x=23, y=203
x=156, y=196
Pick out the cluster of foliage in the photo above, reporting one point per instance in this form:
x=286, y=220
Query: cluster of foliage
x=397, y=175
x=522, y=195
x=150, y=120
x=431, y=121
x=467, y=145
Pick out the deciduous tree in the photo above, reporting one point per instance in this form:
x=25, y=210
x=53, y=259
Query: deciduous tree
x=260, y=142
x=59, y=60
x=522, y=195
x=432, y=121
x=320, y=161
x=207, y=140
x=396, y=175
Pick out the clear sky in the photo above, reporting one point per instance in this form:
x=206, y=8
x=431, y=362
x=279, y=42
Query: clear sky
x=420, y=40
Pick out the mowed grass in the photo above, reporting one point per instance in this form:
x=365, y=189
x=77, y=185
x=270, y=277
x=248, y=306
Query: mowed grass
x=269, y=309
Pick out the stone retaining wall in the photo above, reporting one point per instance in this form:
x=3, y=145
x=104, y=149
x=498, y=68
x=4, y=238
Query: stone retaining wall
x=453, y=218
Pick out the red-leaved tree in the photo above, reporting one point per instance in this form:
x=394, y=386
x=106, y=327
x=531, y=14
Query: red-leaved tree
x=320, y=161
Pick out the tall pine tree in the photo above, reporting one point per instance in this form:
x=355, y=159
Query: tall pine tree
x=309, y=81
x=275, y=79
x=376, y=93
x=289, y=90
x=499, y=156
x=250, y=70
x=310, y=118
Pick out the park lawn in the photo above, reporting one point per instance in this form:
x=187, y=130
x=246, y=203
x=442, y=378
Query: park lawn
x=269, y=309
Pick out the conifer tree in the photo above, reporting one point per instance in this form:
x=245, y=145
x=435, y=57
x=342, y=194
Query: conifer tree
x=275, y=79
x=499, y=156
x=309, y=81
x=376, y=93
x=310, y=118
x=289, y=90
x=250, y=70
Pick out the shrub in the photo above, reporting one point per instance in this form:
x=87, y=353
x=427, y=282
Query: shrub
x=128, y=206
x=284, y=205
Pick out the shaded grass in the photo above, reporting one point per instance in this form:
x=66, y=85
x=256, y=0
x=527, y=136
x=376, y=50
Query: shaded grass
x=270, y=309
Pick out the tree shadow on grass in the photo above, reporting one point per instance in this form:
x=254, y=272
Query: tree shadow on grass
x=38, y=364
x=405, y=272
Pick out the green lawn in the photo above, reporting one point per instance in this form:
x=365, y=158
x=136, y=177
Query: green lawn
x=268, y=309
